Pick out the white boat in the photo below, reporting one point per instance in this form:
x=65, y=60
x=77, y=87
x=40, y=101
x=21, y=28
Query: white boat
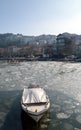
x=35, y=102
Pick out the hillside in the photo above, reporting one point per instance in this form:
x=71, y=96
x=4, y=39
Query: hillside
x=10, y=39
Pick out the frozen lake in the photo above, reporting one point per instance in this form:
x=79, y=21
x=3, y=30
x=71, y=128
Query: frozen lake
x=62, y=82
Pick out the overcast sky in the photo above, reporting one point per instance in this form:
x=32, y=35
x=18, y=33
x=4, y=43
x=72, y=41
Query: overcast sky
x=36, y=17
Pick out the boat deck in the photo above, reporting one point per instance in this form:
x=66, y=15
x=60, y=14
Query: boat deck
x=36, y=108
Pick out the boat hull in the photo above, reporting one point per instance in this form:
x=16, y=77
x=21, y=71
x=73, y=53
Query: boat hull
x=35, y=102
x=36, y=116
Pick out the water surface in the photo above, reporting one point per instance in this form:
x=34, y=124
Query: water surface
x=62, y=82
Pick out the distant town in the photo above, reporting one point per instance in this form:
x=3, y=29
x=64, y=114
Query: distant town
x=65, y=47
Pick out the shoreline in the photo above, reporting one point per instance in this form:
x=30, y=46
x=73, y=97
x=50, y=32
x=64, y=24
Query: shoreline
x=14, y=60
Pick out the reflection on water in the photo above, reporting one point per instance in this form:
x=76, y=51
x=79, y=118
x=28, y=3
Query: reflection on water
x=10, y=110
x=62, y=82
x=12, y=117
x=65, y=113
x=29, y=124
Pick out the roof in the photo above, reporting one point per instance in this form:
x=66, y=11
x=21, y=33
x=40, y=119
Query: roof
x=34, y=95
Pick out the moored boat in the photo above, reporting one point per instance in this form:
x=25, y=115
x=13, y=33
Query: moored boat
x=35, y=102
